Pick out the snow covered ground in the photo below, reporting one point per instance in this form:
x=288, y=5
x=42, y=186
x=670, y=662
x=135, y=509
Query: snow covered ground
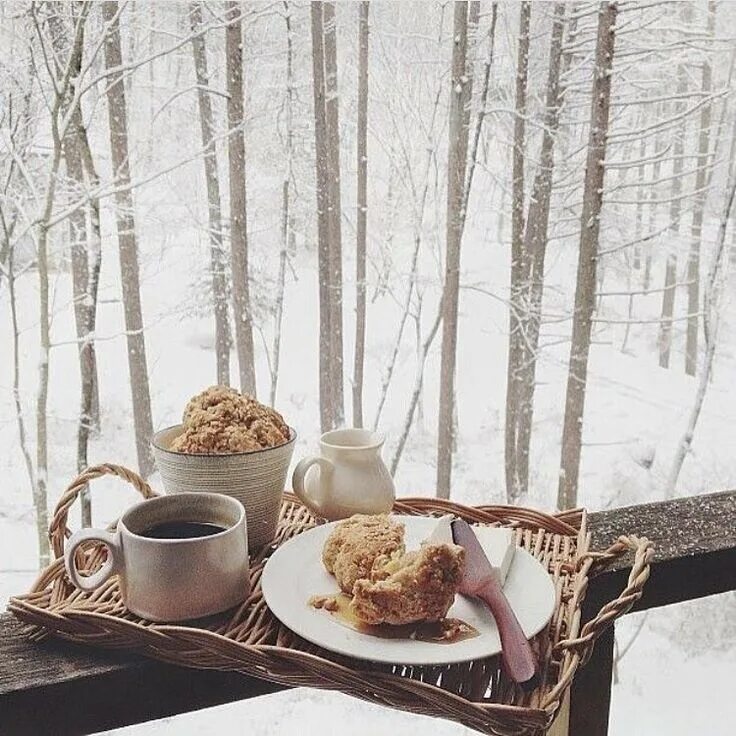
x=666, y=684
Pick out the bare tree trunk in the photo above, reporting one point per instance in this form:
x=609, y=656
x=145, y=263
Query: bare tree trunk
x=329, y=30
x=482, y=105
x=516, y=307
x=460, y=95
x=41, y=514
x=84, y=291
x=710, y=328
x=286, y=230
x=326, y=397
x=361, y=215
x=640, y=195
x=218, y=258
x=670, y=277
x=90, y=393
x=40, y=494
x=238, y=217
x=42, y=225
x=535, y=249
x=416, y=393
x=659, y=146
x=588, y=256
x=82, y=305
x=127, y=244
x=696, y=232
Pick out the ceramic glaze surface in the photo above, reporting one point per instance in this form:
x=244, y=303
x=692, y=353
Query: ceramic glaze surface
x=350, y=476
x=173, y=579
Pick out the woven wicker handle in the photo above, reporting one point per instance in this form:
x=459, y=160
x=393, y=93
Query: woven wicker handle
x=616, y=608
x=58, y=531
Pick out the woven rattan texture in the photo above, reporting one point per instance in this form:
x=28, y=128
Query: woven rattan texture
x=251, y=640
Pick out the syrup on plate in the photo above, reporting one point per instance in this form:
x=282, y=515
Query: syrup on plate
x=446, y=631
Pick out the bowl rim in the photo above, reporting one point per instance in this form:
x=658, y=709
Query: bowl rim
x=158, y=446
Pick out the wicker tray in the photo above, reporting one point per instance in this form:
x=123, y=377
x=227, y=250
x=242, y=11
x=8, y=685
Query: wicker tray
x=251, y=640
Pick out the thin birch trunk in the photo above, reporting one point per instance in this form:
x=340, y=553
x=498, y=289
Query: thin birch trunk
x=711, y=316
x=40, y=495
x=653, y=203
x=9, y=269
x=415, y=394
x=61, y=87
x=460, y=95
x=84, y=289
x=90, y=393
x=480, y=117
x=588, y=256
x=329, y=30
x=670, y=277
x=326, y=398
x=640, y=197
x=127, y=242
x=535, y=248
x=80, y=289
x=238, y=216
x=361, y=215
x=516, y=307
x=696, y=231
x=285, y=205
x=218, y=257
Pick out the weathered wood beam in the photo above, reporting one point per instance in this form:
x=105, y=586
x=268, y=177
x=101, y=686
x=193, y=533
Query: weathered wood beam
x=66, y=689
x=694, y=548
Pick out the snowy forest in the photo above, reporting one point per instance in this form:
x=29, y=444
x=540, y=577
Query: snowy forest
x=498, y=232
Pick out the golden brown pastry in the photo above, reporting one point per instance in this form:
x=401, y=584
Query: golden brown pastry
x=221, y=420
x=419, y=586
x=357, y=543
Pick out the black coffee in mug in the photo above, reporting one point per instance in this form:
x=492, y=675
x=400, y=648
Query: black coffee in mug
x=182, y=530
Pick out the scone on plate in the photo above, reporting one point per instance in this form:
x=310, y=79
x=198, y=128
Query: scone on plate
x=355, y=545
x=367, y=556
x=419, y=586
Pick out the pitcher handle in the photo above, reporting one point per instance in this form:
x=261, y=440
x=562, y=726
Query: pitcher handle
x=326, y=469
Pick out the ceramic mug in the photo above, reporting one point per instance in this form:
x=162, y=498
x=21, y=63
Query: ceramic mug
x=164, y=578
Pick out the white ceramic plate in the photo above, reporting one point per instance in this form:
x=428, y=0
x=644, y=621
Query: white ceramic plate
x=295, y=572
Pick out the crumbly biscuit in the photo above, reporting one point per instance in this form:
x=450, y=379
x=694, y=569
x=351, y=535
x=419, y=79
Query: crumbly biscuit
x=419, y=586
x=355, y=545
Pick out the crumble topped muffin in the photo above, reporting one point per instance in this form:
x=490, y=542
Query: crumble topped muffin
x=220, y=421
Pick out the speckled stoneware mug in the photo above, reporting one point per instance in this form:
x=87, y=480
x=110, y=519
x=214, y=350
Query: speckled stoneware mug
x=167, y=577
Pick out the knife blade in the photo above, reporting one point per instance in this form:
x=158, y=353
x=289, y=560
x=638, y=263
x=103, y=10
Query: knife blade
x=497, y=543
x=480, y=580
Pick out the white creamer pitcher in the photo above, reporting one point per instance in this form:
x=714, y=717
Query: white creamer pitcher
x=351, y=478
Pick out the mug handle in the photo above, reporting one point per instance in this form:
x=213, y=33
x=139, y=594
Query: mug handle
x=297, y=481
x=112, y=563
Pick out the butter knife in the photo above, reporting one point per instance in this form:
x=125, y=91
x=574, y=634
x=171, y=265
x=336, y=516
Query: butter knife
x=481, y=581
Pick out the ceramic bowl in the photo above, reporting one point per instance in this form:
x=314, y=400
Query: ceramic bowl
x=256, y=479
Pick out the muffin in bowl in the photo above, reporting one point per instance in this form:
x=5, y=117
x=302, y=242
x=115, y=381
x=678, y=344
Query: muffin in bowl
x=229, y=443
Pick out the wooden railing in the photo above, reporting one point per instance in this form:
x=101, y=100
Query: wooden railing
x=61, y=688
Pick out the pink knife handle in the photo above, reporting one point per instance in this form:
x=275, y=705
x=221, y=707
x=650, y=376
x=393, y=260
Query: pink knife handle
x=515, y=650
